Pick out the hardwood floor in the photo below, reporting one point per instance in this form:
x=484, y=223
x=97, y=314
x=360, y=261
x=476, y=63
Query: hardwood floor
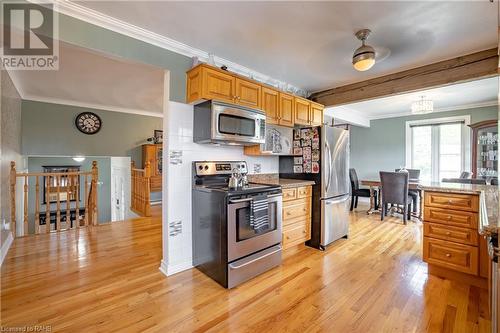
x=106, y=279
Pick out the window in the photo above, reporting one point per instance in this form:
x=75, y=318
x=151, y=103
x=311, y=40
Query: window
x=439, y=147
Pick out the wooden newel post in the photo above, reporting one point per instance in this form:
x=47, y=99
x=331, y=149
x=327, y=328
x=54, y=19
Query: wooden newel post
x=13, y=178
x=147, y=194
x=95, y=177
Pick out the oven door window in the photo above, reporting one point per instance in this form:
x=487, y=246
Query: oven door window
x=236, y=125
x=243, y=228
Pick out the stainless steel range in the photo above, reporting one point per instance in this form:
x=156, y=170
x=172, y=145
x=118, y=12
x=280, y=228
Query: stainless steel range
x=236, y=231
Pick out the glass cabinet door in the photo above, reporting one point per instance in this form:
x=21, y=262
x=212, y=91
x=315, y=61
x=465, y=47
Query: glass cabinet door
x=486, y=159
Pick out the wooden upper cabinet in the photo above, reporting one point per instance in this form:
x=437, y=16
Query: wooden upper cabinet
x=270, y=105
x=248, y=93
x=302, y=111
x=217, y=85
x=316, y=114
x=286, y=108
x=205, y=82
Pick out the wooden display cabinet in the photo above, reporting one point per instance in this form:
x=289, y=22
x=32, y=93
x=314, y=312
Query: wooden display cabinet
x=153, y=154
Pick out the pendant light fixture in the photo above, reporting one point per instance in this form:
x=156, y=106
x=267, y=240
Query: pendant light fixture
x=364, y=57
x=422, y=106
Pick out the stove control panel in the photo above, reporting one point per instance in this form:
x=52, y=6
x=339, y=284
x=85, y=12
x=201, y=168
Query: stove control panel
x=219, y=168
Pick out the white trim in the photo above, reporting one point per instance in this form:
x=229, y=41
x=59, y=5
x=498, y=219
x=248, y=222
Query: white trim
x=173, y=269
x=110, y=23
x=92, y=105
x=453, y=108
x=466, y=148
x=5, y=247
x=163, y=267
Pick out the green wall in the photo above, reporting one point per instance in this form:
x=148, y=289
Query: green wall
x=381, y=147
x=104, y=184
x=49, y=129
x=89, y=36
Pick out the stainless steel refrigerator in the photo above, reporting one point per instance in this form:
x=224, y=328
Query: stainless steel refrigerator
x=335, y=184
x=331, y=192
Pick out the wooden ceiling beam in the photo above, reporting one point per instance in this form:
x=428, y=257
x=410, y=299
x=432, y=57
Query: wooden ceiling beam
x=461, y=69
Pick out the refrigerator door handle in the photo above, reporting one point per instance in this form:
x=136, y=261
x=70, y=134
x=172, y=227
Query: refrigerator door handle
x=327, y=145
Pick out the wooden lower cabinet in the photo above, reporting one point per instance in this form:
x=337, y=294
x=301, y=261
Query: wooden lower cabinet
x=452, y=245
x=296, y=215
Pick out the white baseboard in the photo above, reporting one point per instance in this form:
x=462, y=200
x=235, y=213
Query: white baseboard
x=168, y=270
x=5, y=247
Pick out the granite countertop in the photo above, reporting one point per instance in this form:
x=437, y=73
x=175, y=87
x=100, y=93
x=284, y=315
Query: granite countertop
x=487, y=226
x=289, y=183
x=274, y=179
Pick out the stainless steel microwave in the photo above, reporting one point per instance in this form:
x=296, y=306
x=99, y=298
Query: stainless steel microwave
x=223, y=123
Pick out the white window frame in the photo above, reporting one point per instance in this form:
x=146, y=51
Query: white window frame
x=465, y=141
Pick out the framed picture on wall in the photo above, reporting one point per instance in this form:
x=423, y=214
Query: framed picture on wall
x=158, y=135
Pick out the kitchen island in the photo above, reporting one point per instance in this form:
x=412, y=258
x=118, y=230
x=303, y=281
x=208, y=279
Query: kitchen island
x=457, y=220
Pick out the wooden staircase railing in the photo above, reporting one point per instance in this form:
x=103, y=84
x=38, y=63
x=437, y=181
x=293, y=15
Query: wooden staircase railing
x=141, y=190
x=71, y=180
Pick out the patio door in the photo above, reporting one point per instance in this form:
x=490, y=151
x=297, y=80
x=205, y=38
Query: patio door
x=439, y=149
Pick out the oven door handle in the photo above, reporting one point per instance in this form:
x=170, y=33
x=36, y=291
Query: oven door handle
x=250, y=199
x=256, y=259
x=240, y=200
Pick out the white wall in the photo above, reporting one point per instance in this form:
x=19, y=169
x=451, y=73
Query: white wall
x=178, y=129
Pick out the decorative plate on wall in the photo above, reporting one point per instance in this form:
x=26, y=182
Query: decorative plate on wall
x=88, y=123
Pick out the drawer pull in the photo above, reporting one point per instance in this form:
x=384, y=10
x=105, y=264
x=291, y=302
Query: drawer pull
x=303, y=231
x=288, y=213
x=450, y=202
x=448, y=255
x=448, y=233
x=304, y=210
x=449, y=217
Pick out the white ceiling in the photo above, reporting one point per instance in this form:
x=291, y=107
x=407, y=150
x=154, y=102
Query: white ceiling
x=90, y=79
x=310, y=44
x=458, y=96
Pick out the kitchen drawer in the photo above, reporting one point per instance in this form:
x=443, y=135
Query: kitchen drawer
x=451, y=217
x=453, y=234
x=304, y=191
x=296, y=234
x=303, y=220
x=458, y=257
x=289, y=194
x=466, y=202
x=301, y=208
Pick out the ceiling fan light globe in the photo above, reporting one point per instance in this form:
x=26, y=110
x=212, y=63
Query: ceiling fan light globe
x=363, y=64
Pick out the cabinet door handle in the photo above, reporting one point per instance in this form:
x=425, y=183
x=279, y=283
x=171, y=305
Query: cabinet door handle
x=450, y=202
x=449, y=217
x=448, y=255
x=448, y=233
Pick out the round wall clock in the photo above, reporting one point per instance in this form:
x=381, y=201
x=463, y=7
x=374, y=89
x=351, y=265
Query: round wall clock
x=88, y=123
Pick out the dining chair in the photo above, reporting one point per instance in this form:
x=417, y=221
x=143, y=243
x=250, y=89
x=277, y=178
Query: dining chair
x=395, y=191
x=464, y=181
x=414, y=176
x=357, y=192
x=465, y=175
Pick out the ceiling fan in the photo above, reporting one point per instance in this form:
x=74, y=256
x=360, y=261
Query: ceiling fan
x=365, y=56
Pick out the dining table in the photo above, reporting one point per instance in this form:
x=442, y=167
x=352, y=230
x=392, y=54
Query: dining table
x=375, y=184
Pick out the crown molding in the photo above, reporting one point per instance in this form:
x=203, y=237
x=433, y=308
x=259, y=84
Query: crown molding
x=91, y=106
x=110, y=23
x=452, y=108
